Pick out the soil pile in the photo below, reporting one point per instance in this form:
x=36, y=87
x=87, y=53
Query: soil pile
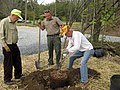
x=52, y=79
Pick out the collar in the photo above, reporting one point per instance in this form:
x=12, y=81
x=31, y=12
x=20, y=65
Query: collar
x=9, y=19
x=49, y=20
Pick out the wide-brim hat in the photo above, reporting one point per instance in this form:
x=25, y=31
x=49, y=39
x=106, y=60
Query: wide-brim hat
x=17, y=13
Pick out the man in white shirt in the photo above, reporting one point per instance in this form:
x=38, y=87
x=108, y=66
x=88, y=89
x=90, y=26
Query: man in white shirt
x=80, y=46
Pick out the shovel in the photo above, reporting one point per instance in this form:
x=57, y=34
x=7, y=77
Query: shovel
x=62, y=57
x=38, y=63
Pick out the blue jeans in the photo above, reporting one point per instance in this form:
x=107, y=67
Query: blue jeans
x=83, y=69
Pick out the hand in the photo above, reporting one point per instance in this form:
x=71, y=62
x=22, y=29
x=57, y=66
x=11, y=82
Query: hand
x=6, y=48
x=39, y=24
x=64, y=55
x=65, y=51
x=42, y=27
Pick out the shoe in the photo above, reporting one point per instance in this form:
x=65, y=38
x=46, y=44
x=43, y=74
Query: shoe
x=50, y=63
x=17, y=80
x=20, y=76
x=70, y=69
x=57, y=67
x=83, y=84
x=9, y=82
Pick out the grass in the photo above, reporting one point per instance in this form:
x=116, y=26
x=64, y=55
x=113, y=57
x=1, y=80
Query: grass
x=106, y=66
x=75, y=24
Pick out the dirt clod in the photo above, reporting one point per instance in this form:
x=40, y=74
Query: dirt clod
x=58, y=75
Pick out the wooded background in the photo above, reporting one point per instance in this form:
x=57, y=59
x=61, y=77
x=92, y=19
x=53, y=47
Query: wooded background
x=95, y=15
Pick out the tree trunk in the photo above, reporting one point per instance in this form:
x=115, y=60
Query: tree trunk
x=97, y=25
x=96, y=31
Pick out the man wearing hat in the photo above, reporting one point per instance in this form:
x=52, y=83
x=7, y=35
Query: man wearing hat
x=52, y=25
x=11, y=52
x=80, y=47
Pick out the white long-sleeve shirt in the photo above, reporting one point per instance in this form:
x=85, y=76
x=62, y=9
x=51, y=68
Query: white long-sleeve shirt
x=78, y=42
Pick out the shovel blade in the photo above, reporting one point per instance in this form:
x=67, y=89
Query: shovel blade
x=38, y=64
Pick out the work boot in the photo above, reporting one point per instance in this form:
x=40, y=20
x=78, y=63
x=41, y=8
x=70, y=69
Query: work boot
x=83, y=85
x=50, y=63
x=20, y=78
x=10, y=82
x=57, y=66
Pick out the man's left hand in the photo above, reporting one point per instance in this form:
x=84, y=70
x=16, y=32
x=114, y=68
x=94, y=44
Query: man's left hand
x=66, y=51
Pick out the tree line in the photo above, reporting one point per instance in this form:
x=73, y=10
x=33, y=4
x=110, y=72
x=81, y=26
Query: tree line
x=95, y=15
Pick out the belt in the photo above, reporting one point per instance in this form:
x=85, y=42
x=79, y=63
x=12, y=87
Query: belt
x=12, y=44
x=53, y=35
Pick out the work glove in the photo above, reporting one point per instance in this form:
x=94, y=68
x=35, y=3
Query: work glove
x=65, y=52
x=7, y=48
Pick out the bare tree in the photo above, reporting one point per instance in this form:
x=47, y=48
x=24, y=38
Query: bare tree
x=7, y=5
x=74, y=9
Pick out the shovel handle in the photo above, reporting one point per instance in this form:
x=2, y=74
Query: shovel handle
x=39, y=36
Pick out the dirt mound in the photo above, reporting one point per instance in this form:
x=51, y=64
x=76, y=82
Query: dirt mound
x=44, y=80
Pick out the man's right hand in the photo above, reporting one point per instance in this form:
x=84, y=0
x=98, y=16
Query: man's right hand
x=65, y=53
x=41, y=27
x=6, y=48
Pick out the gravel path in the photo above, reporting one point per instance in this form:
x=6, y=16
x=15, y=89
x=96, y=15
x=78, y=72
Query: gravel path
x=28, y=41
